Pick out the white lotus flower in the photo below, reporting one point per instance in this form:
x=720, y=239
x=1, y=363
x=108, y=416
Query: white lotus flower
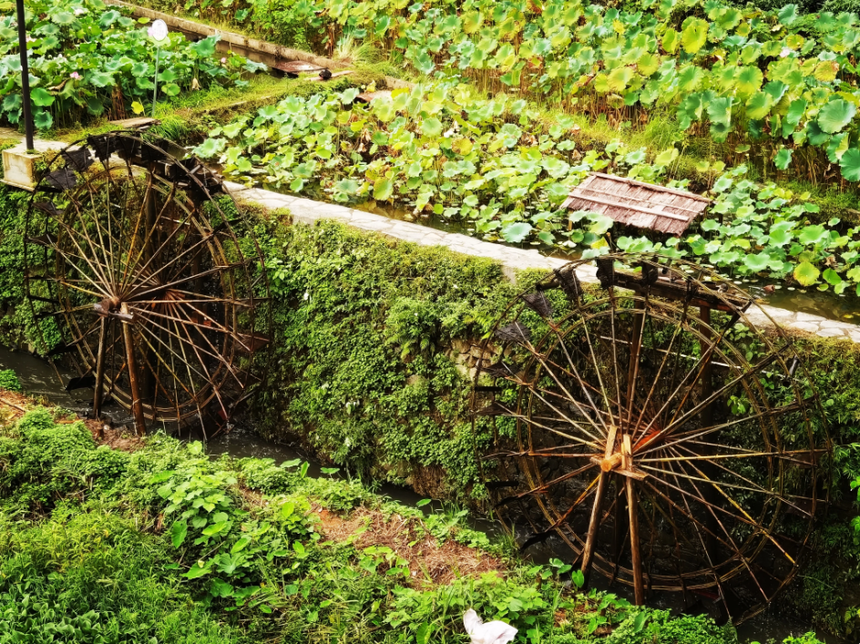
x=491, y=633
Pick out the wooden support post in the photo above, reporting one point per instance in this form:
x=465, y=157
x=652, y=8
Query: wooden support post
x=136, y=404
x=632, y=508
x=100, y=373
x=594, y=523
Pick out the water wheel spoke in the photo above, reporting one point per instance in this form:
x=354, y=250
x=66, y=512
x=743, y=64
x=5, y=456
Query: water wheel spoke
x=198, y=247
x=657, y=377
x=214, y=354
x=738, y=554
x=209, y=376
x=131, y=267
x=720, y=488
x=685, y=437
x=601, y=389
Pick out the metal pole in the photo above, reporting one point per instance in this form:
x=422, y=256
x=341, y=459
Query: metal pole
x=25, y=76
x=154, y=91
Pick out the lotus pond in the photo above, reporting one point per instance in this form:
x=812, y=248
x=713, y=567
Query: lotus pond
x=87, y=59
x=493, y=165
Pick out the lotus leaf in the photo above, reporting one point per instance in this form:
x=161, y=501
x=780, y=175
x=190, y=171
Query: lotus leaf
x=850, y=164
x=836, y=115
x=806, y=273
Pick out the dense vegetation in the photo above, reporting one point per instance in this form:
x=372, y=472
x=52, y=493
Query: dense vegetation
x=166, y=545
x=87, y=60
x=778, y=79
x=496, y=166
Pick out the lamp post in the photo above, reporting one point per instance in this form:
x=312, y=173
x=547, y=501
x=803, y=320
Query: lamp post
x=25, y=76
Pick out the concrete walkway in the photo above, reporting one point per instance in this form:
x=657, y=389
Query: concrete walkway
x=307, y=211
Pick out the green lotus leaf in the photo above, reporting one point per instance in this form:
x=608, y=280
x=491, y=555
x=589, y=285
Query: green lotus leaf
x=814, y=234
x=512, y=78
x=806, y=274
x=648, y=64
x=101, y=79
x=837, y=146
x=205, y=48
x=383, y=189
x=750, y=53
x=347, y=186
x=472, y=21
x=826, y=71
x=210, y=148
x=788, y=14
x=695, y=35
x=171, y=89
x=516, y=232
x=423, y=63
x=95, y=106
x=667, y=157
x=12, y=102
x=782, y=159
x=815, y=134
x=759, y=105
x=690, y=78
x=619, y=78
x=381, y=25
x=831, y=277
x=850, y=165
x=107, y=18
x=431, y=127
x=757, y=263
x=720, y=110
x=670, y=41
x=43, y=120
x=67, y=18
x=777, y=89
x=836, y=115
x=748, y=80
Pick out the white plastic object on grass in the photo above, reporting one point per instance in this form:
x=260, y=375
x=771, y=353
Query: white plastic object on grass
x=490, y=633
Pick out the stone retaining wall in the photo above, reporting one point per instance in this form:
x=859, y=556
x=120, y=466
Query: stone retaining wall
x=307, y=211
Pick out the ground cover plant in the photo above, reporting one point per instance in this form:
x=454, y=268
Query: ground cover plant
x=165, y=544
x=490, y=163
x=87, y=59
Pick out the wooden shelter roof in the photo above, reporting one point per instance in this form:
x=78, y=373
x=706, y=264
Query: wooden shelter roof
x=635, y=203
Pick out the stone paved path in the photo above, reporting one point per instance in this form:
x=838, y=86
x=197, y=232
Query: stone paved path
x=512, y=259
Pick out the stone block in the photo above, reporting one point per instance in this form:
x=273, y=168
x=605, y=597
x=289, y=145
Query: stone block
x=19, y=167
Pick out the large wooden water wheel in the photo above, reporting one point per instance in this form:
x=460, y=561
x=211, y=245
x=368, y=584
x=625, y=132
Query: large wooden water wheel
x=646, y=422
x=143, y=275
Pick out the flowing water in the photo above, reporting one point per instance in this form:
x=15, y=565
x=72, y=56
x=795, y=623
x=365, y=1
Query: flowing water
x=40, y=380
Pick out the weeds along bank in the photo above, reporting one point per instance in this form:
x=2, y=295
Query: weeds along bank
x=161, y=544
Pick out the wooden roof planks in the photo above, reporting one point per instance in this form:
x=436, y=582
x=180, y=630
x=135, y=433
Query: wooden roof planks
x=635, y=203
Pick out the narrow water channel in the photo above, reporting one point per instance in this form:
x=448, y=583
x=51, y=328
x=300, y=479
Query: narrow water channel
x=39, y=380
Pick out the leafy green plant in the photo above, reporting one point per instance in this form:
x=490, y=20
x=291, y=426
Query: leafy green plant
x=87, y=59
x=9, y=380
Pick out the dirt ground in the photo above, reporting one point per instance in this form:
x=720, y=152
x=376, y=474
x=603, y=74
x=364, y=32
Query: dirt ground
x=430, y=562
x=14, y=405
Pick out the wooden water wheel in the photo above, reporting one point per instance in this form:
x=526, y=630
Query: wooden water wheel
x=645, y=421
x=143, y=274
